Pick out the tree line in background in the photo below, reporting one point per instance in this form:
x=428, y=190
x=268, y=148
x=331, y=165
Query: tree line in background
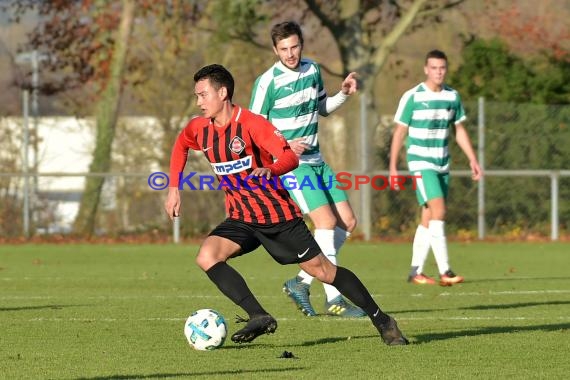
x=113, y=53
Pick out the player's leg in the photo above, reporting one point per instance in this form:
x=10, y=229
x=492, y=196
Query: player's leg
x=227, y=240
x=420, y=251
x=292, y=242
x=345, y=220
x=438, y=242
x=212, y=258
x=346, y=223
x=309, y=194
x=436, y=188
x=352, y=288
x=428, y=187
x=328, y=208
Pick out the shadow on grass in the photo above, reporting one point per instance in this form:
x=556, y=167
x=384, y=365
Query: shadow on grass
x=515, y=305
x=243, y=346
x=330, y=340
x=485, y=307
x=425, y=338
x=470, y=280
x=21, y=308
x=193, y=374
x=395, y=312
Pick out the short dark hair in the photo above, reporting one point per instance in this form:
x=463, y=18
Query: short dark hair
x=436, y=54
x=219, y=77
x=285, y=30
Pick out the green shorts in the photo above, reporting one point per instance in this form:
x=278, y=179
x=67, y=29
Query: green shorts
x=430, y=185
x=313, y=186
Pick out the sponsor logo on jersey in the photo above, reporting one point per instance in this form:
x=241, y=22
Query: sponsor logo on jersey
x=232, y=167
x=237, y=145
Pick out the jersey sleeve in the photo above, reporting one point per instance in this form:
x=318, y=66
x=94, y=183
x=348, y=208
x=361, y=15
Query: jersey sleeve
x=460, y=115
x=185, y=140
x=322, y=93
x=262, y=96
x=266, y=136
x=405, y=109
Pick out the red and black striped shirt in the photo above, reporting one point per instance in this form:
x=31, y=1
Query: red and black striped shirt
x=247, y=142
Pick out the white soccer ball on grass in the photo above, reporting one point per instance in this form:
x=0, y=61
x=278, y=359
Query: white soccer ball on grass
x=206, y=329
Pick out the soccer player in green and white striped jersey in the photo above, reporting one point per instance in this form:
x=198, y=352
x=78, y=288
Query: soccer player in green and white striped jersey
x=291, y=95
x=425, y=114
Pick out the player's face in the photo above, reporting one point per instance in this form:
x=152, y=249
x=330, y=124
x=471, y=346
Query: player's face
x=289, y=51
x=210, y=100
x=435, y=70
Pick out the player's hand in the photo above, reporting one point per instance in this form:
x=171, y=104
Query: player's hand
x=476, y=172
x=298, y=145
x=172, y=203
x=261, y=172
x=393, y=183
x=349, y=84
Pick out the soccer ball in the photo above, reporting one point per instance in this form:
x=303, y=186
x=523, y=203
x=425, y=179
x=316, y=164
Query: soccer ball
x=206, y=329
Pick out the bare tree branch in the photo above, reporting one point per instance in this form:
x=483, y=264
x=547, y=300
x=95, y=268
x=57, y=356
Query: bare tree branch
x=439, y=9
x=238, y=37
x=325, y=20
x=381, y=55
x=330, y=71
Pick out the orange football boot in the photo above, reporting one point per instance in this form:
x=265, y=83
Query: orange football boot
x=421, y=279
x=449, y=278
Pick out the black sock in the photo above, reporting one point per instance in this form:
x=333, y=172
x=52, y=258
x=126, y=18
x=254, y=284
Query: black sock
x=352, y=288
x=233, y=286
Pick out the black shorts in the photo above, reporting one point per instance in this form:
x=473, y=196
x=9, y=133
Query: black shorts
x=288, y=243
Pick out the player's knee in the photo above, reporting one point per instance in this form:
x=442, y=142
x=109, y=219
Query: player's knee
x=437, y=209
x=438, y=214
x=350, y=224
x=202, y=262
x=325, y=223
x=323, y=218
x=206, y=259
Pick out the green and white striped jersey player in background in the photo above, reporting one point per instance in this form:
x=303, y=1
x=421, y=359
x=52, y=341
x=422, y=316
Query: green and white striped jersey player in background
x=291, y=95
x=426, y=114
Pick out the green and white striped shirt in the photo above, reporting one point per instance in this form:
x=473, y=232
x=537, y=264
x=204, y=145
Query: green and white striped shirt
x=429, y=116
x=290, y=100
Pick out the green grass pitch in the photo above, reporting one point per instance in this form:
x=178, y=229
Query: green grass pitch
x=118, y=312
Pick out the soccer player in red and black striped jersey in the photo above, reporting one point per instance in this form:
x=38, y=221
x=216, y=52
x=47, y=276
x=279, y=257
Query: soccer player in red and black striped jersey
x=246, y=152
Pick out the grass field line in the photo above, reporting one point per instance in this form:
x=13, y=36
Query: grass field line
x=320, y=319
x=279, y=295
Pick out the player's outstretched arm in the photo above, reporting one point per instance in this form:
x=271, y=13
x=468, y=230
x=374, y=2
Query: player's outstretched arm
x=330, y=104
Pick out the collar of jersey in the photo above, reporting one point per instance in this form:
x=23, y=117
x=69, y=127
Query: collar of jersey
x=236, y=113
x=285, y=69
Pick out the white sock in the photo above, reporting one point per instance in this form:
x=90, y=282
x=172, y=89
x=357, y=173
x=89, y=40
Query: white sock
x=420, y=250
x=325, y=239
x=340, y=236
x=439, y=244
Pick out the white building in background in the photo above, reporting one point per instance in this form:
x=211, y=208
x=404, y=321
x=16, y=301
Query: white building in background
x=65, y=146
